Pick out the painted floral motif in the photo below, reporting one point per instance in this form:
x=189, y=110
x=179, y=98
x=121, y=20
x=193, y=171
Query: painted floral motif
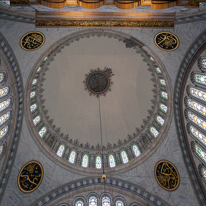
x=72, y=156
x=197, y=120
x=4, y=118
x=111, y=161
x=154, y=131
x=85, y=160
x=60, y=150
x=160, y=120
x=33, y=107
x=36, y=120
x=136, y=150
x=5, y=104
x=162, y=82
x=4, y=92
x=201, y=137
x=196, y=106
x=198, y=93
x=42, y=132
x=163, y=107
x=32, y=94
x=200, y=153
x=164, y=95
x=124, y=157
x=98, y=162
x=4, y=132
x=93, y=201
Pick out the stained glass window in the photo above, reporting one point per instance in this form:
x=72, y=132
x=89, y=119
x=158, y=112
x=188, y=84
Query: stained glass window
x=163, y=107
x=119, y=203
x=72, y=156
x=33, y=107
x=154, y=132
x=197, y=120
x=5, y=104
x=4, y=118
x=92, y=201
x=136, y=150
x=1, y=77
x=34, y=82
x=1, y=149
x=106, y=201
x=4, y=132
x=4, y=92
x=196, y=106
x=38, y=70
x=42, y=132
x=124, y=156
x=98, y=162
x=198, y=93
x=158, y=70
x=36, y=120
x=162, y=82
x=198, y=135
x=203, y=63
x=79, y=203
x=204, y=173
x=85, y=160
x=164, y=95
x=45, y=58
x=60, y=150
x=112, y=161
x=32, y=94
x=200, y=79
x=151, y=59
x=160, y=120
x=200, y=153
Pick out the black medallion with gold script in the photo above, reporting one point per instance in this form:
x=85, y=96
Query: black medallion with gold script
x=166, y=41
x=167, y=175
x=30, y=176
x=32, y=41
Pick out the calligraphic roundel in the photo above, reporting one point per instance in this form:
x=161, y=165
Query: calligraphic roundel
x=30, y=176
x=167, y=175
x=166, y=41
x=32, y=41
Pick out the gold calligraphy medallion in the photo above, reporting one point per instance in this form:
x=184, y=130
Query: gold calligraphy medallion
x=32, y=41
x=30, y=176
x=166, y=41
x=167, y=175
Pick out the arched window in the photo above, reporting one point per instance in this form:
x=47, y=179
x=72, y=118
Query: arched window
x=163, y=107
x=4, y=118
x=33, y=107
x=198, y=93
x=36, y=120
x=32, y=94
x=200, y=153
x=4, y=92
x=98, y=162
x=201, y=79
x=5, y=104
x=61, y=150
x=1, y=149
x=92, y=201
x=4, y=132
x=42, y=132
x=34, y=82
x=162, y=82
x=158, y=70
x=124, y=157
x=198, y=121
x=79, y=203
x=85, y=160
x=197, y=107
x=160, y=120
x=2, y=76
x=201, y=137
x=204, y=172
x=106, y=201
x=136, y=150
x=38, y=70
x=202, y=63
x=112, y=161
x=119, y=203
x=154, y=132
x=164, y=95
x=72, y=156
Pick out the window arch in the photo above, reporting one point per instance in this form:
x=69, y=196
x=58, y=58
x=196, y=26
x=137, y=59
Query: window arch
x=200, y=152
x=198, y=93
x=163, y=107
x=197, y=134
x=196, y=106
x=72, y=156
x=124, y=156
x=5, y=104
x=92, y=201
x=60, y=151
x=164, y=95
x=5, y=117
x=106, y=201
x=36, y=120
x=162, y=82
x=154, y=131
x=85, y=160
x=160, y=120
x=202, y=63
x=34, y=82
x=33, y=107
x=199, y=78
x=32, y=94
x=2, y=77
x=98, y=162
x=119, y=203
x=198, y=121
x=4, y=132
x=79, y=203
x=42, y=132
x=4, y=92
x=136, y=150
x=112, y=162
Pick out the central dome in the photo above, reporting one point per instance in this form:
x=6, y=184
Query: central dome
x=76, y=112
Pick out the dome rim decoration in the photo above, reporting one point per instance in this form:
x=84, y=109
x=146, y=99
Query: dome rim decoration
x=152, y=143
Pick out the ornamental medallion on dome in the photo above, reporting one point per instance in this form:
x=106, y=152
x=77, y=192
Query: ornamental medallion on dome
x=98, y=82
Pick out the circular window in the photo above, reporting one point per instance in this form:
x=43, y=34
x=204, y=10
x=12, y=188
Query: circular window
x=100, y=93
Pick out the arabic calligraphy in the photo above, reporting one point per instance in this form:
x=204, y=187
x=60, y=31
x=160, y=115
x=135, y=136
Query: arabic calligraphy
x=166, y=41
x=30, y=176
x=32, y=41
x=167, y=175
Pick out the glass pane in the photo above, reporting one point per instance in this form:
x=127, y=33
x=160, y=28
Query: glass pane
x=197, y=120
x=85, y=161
x=106, y=201
x=33, y=107
x=198, y=93
x=154, y=131
x=98, y=162
x=163, y=107
x=4, y=92
x=3, y=132
x=32, y=94
x=5, y=104
x=60, y=150
x=158, y=70
x=119, y=203
x=160, y=120
x=136, y=150
x=200, y=153
x=34, y=81
x=79, y=203
x=42, y=132
x=92, y=201
x=162, y=82
x=198, y=135
x=196, y=106
x=2, y=77
x=112, y=161
x=72, y=156
x=164, y=95
x=124, y=157
x=4, y=118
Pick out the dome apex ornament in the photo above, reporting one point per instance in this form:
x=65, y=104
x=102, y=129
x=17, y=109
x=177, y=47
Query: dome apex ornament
x=98, y=82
